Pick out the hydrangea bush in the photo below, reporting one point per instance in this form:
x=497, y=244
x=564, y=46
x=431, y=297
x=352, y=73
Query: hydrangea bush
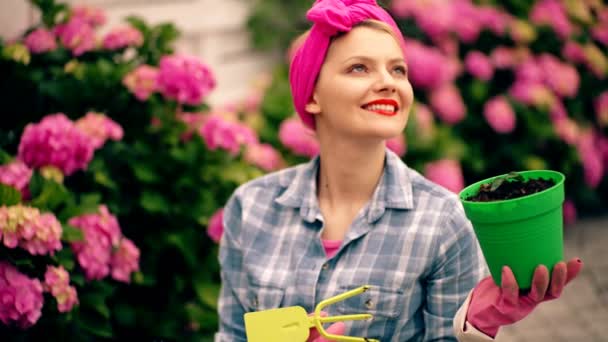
x=122, y=171
x=499, y=86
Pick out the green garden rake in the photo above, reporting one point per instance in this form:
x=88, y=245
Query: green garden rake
x=294, y=324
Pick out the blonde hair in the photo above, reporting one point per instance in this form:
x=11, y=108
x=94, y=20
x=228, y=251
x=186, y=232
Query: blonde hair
x=371, y=23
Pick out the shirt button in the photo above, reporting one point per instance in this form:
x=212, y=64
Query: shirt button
x=254, y=302
x=369, y=304
x=325, y=266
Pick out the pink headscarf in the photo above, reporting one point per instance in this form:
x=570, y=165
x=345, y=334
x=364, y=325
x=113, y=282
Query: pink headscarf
x=329, y=17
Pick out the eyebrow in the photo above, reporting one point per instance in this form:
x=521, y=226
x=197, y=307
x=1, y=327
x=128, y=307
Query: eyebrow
x=365, y=58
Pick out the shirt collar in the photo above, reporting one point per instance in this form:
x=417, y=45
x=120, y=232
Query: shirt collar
x=393, y=191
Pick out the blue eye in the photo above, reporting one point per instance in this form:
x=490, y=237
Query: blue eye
x=358, y=68
x=401, y=69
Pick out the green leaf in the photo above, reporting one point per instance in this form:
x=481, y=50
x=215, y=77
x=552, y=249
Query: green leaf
x=52, y=195
x=65, y=258
x=207, y=293
x=97, y=303
x=144, y=173
x=154, y=202
x=71, y=234
x=204, y=318
x=9, y=195
x=95, y=325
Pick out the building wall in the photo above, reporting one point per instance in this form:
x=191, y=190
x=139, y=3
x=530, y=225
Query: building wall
x=211, y=29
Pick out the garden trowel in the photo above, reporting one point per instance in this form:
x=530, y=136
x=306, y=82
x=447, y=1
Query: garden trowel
x=293, y=323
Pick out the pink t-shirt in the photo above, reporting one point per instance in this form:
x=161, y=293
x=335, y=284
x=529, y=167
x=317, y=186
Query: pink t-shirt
x=331, y=247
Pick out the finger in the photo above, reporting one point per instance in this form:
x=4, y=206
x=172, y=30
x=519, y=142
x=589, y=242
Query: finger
x=508, y=286
x=540, y=283
x=574, y=267
x=337, y=328
x=314, y=334
x=558, y=280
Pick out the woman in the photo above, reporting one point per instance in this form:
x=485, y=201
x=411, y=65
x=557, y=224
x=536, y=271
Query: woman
x=356, y=214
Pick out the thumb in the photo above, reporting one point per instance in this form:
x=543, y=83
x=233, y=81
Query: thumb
x=334, y=329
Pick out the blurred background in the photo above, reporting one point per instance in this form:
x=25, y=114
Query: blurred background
x=127, y=124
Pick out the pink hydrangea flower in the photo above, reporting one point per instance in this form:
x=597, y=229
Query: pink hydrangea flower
x=397, y=145
x=101, y=234
x=569, y=212
x=503, y=57
x=57, y=282
x=562, y=78
x=55, y=141
x=76, y=35
x=27, y=228
x=21, y=297
x=218, y=132
x=99, y=128
x=567, y=130
x=600, y=33
x=447, y=173
x=479, y=65
x=298, y=138
x=425, y=122
x=17, y=175
x=448, y=104
x=552, y=13
x=499, y=115
x=593, y=166
x=142, y=81
x=125, y=260
x=428, y=68
x=573, y=52
x=601, y=109
x=216, y=226
x=93, y=16
x=185, y=79
x=122, y=37
x=494, y=19
x=264, y=156
x=40, y=40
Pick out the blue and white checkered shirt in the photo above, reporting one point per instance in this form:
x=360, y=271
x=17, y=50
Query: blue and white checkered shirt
x=412, y=242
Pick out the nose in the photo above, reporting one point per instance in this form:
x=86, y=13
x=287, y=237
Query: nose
x=385, y=82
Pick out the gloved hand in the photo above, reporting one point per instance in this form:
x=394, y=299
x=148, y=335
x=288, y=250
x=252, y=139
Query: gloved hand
x=492, y=307
x=336, y=328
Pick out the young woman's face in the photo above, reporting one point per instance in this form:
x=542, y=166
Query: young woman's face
x=363, y=89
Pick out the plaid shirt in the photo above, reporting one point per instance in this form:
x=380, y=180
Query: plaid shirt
x=412, y=242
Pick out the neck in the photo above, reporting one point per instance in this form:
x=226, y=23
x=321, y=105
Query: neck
x=349, y=173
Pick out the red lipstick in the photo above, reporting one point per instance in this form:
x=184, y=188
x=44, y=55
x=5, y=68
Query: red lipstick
x=389, y=102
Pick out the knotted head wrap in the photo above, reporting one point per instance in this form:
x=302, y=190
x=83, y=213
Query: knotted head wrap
x=329, y=17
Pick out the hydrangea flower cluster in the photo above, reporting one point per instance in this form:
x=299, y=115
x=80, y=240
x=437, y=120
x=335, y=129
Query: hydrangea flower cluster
x=142, y=81
x=56, y=141
x=104, y=247
x=40, y=41
x=17, y=175
x=228, y=135
x=447, y=173
x=264, y=156
x=57, y=282
x=185, y=79
x=21, y=297
x=299, y=139
x=29, y=229
x=122, y=37
x=99, y=128
x=215, y=229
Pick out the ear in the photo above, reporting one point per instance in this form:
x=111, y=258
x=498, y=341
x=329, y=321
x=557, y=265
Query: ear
x=313, y=106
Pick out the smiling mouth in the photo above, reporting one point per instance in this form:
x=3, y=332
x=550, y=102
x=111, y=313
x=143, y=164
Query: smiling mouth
x=382, y=109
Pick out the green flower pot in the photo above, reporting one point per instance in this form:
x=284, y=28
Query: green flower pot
x=521, y=233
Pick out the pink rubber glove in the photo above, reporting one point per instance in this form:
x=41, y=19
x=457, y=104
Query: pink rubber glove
x=492, y=307
x=336, y=328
